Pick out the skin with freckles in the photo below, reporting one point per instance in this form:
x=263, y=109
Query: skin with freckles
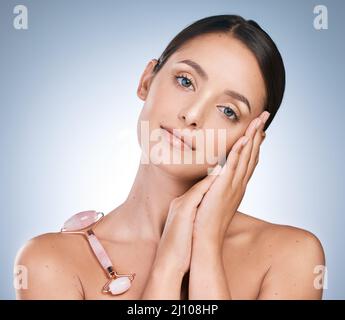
x=236, y=255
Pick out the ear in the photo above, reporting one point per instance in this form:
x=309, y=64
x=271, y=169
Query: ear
x=145, y=80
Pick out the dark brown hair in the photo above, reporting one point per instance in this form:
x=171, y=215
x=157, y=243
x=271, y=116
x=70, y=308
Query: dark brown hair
x=257, y=41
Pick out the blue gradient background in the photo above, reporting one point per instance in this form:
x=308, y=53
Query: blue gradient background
x=68, y=113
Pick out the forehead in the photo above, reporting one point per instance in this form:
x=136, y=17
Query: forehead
x=228, y=63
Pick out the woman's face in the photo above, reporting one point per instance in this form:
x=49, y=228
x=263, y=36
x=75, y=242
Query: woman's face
x=209, y=90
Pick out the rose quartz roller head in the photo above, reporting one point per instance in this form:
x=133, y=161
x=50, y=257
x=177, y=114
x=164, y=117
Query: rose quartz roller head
x=82, y=223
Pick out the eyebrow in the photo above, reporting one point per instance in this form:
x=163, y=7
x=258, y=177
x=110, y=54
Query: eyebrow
x=204, y=75
x=239, y=97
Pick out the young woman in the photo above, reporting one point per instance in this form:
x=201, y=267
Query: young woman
x=179, y=230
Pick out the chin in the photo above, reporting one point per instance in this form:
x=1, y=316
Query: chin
x=187, y=172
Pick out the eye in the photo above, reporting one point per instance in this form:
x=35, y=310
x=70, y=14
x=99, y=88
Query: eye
x=229, y=112
x=184, y=81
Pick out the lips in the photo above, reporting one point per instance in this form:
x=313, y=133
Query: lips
x=185, y=139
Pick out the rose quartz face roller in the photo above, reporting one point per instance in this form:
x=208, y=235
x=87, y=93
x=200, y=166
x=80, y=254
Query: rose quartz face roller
x=82, y=223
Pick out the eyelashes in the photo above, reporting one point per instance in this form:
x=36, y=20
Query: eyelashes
x=188, y=80
x=232, y=113
x=185, y=82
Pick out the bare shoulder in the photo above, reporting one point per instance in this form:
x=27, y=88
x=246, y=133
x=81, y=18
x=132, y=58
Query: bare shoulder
x=297, y=260
x=283, y=238
x=50, y=267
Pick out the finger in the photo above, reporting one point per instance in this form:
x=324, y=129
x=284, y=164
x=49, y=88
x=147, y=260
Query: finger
x=232, y=161
x=231, y=164
x=246, y=153
x=243, y=163
x=195, y=194
x=258, y=139
x=254, y=157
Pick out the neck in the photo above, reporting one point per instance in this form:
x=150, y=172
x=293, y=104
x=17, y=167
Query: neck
x=146, y=208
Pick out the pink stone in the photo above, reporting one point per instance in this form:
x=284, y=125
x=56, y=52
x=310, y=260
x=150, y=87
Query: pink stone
x=80, y=220
x=99, y=251
x=119, y=285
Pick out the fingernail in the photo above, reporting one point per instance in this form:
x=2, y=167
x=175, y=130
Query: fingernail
x=265, y=116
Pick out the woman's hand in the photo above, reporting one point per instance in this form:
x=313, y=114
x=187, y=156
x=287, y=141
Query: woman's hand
x=225, y=195
x=204, y=209
x=175, y=246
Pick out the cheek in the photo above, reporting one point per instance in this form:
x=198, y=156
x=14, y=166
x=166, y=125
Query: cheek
x=168, y=99
x=162, y=105
x=224, y=139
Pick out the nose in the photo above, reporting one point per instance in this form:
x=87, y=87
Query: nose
x=193, y=116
